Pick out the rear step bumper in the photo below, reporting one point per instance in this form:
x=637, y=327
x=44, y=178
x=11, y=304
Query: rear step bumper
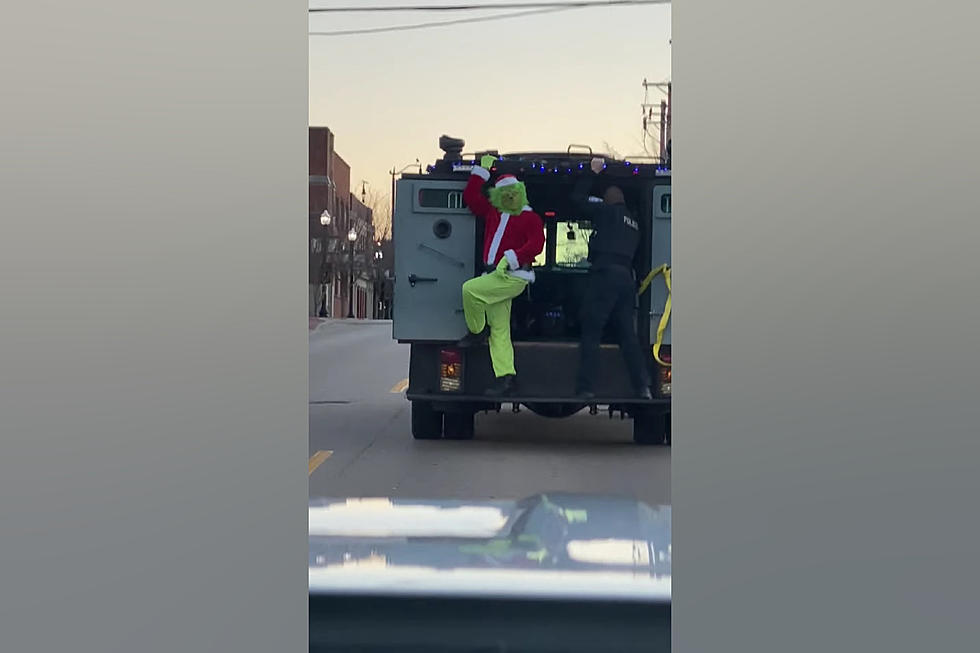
x=546, y=373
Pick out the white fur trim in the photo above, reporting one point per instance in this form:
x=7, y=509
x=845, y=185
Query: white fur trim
x=511, y=257
x=482, y=173
x=497, y=236
x=526, y=208
x=593, y=198
x=526, y=275
x=507, y=180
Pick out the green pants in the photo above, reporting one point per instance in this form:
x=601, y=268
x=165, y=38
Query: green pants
x=486, y=300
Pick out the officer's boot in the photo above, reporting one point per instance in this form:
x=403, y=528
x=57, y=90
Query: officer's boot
x=504, y=386
x=474, y=339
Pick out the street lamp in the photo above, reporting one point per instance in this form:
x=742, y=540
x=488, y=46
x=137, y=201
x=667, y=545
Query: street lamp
x=325, y=220
x=351, y=237
x=376, y=283
x=393, y=173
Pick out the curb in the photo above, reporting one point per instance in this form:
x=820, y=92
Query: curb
x=318, y=323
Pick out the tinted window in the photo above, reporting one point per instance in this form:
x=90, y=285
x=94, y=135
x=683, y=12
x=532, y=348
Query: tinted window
x=572, y=246
x=440, y=198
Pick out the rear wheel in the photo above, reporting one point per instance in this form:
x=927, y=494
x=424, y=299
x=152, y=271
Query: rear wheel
x=426, y=422
x=651, y=427
x=458, y=426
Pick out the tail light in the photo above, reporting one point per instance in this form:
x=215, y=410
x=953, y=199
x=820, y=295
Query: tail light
x=665, y=373
x=450, y=370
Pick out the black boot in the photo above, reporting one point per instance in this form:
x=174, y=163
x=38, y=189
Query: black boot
x=474, y=339
x=503, y=387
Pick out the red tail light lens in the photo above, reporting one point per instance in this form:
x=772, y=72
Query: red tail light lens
x=450, y=370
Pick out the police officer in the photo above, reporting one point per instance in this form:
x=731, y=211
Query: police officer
x=611, y=288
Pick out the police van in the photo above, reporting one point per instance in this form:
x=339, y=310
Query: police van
x=438, y=246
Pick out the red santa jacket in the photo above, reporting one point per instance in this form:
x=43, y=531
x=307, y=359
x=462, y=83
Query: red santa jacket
x=518, y=238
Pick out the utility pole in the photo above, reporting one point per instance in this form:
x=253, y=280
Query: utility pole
x=661, y=124
x=658, y=128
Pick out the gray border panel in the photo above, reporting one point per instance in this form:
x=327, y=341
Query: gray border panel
x=154, y=350
x=826, y=303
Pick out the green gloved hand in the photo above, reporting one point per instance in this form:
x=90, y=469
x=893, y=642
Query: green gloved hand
x=503, y=266
x=486, y=161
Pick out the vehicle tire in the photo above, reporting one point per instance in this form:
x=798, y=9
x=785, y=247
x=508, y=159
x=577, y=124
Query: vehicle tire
x=555, y=410
x=459, y=426
x=426, y=422
x=651, y=427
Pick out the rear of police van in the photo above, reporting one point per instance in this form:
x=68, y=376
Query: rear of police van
x=438, y=246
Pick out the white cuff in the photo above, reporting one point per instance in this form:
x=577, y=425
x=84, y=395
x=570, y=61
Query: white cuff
x=511, y=257
x=480, y=172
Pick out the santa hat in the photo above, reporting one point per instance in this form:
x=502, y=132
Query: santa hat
x=505, y=180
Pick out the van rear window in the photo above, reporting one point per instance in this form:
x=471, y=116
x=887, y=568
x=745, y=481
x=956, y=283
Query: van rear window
x=440, y=198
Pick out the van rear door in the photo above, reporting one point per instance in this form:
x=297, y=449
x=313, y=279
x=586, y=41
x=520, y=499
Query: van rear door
x=660, y=254
x=435, y=250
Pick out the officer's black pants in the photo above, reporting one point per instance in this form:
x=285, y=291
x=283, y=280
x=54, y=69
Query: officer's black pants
x=609, y=296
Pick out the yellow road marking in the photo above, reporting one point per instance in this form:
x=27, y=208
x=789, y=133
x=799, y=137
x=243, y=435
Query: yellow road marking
x=400, y=386
x=317, y=459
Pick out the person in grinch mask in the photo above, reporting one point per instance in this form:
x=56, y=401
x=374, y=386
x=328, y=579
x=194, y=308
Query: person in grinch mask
x=512, y=238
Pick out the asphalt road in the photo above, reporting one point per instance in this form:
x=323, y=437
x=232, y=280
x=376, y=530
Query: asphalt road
x=361, y=442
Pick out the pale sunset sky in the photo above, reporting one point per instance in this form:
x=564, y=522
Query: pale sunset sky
x=537, y=83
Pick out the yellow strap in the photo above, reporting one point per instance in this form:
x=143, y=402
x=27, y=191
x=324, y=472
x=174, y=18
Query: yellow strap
x=665, y=318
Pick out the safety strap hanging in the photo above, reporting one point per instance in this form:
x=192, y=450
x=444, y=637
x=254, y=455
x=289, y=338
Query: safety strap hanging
x=665, y=318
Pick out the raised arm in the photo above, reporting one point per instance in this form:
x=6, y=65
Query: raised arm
x=473, y=195
x=587, y=210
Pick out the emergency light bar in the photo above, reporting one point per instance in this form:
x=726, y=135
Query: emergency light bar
x=549, y=167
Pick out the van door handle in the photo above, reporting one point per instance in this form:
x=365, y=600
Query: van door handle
x=413, y=279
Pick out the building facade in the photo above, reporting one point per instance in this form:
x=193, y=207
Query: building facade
x=362, y=221
x=343, y=272
x=340, y=279
x=323, y=238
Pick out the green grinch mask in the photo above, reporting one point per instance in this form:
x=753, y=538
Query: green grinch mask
x=509, y=199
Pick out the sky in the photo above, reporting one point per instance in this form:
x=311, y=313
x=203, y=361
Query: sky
x=530, y=83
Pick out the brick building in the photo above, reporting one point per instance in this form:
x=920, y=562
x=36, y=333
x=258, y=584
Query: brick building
x=330, y=279
x=341, y=278
x=362, y=220
x=322, y=197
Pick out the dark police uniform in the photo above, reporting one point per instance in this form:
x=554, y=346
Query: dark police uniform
x=611, y=289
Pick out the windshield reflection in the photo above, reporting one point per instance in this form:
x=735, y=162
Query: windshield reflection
x=593, y=535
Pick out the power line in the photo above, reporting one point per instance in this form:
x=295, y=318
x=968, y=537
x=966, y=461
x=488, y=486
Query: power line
x=458, y=21
x=571, y=4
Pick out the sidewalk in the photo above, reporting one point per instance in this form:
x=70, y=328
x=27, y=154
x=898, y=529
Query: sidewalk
x=324, y=322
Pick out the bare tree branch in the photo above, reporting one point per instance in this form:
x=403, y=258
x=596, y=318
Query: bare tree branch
x=610, y=150
x=380, y=204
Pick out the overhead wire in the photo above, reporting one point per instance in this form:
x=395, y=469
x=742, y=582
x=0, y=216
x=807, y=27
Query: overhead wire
x=536, y=8
x=485, y=6
x=443, y=23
